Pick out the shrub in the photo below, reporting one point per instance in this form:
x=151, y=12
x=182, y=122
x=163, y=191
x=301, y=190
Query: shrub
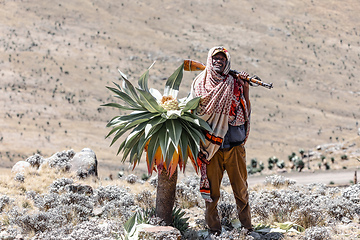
x=4, y=200
x=188, y=192
x=35, y=161
x=277, y=181
x=131, y=178
x=19, y=177
x=145, y=199
x=59, y=185
x=317, y=233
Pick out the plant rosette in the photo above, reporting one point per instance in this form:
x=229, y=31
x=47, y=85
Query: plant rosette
x=160, y=124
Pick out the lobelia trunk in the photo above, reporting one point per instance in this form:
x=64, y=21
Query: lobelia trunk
x=165, y=196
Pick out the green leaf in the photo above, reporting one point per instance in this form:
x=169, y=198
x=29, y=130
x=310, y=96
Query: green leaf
x=193, y=145
x=125, y=97
x=136, y=121
x=116, y=105
x=169, y=153
x=131, y=91
x=143, y=81
x=173, y=83
x=192, y=104
x=183, y=143
x=163, y=140
x=131, y=143
x=115, y=129
x=138, y=115
x=153, y=124
x=121, y=147
x=141, y=145
x=149, y=102
x=152, y=147
x=195, y=134
x=174, y=128
x=202, y=123
x=130, y=223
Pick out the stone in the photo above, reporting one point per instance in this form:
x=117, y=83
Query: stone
x=273, y=236
x=6, y=236
x=20, y=167
x=159, y=233
x=98, y=211
x=84, y=163
x=255, y=235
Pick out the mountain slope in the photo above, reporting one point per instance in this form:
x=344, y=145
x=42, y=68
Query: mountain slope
x=57, y=58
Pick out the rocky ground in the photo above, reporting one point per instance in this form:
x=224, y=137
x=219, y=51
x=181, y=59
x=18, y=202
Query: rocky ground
x=51, y=199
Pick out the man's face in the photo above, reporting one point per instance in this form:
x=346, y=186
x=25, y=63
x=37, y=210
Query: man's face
x=219, y=62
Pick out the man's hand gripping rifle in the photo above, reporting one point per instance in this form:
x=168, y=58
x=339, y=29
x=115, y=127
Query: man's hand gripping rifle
x=192, y=65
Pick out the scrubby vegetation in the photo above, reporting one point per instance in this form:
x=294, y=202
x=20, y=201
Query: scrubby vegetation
x=50, y=204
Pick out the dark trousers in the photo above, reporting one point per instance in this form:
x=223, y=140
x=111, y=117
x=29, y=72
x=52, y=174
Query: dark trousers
x=233, y=160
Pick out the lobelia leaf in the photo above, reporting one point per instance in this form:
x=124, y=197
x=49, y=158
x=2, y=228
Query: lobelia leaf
x=183, y=143
x=130, y=223
x=138, y=115
x=169, y=157
x=197, y=122
x=149, y=102
x=141, y=145
x=125, y=97
x=174, y=129
x=202, y=122
x=121, y=147
x=153, y=125
x=143, y=81
x=173, y=83
x=115, y=129
x=116, y=105
x=163, y=140
x=138, y=120
x=130, y=144
x=152, y=148
x=130, y=90
x=192, y=104
x=190, y=131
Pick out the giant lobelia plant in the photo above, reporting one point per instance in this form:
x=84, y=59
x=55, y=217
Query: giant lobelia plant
x=161, y=125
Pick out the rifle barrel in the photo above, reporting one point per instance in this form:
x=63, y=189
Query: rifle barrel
x=192, y=65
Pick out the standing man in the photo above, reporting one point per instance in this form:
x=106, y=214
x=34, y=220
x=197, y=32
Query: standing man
x=225, y=105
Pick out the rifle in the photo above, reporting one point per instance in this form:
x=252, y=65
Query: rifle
x=192, y=65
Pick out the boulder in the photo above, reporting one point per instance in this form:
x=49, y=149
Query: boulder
x=20, y=167
x=84, y=163
x=159, y=233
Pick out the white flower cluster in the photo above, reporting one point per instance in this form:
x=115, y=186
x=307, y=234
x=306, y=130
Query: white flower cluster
x=277, y=180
